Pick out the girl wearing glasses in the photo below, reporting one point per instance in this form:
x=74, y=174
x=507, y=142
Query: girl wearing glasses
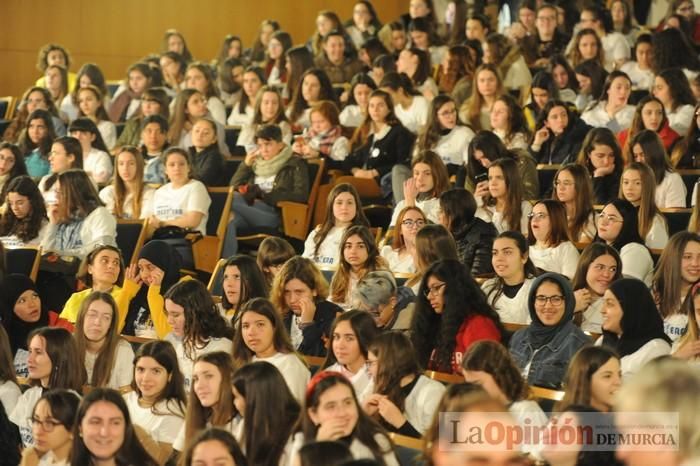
x=543, y=350
x=677, y=271
x=445, y=134
x=343, y=209
x=399, y=397
x=551, y=248
x=639, y=187
x=52, y=423
x=618, y=227
x=430, y=179
x=451, y=314
x=573, y=188
x=299, y=293
x=632, y=325
x=507, y=292
x=351, y=335
x=400, y=253
x=598, y=267
x=602, y=156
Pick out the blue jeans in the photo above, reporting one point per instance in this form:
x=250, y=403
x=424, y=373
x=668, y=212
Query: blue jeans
x=248, y=217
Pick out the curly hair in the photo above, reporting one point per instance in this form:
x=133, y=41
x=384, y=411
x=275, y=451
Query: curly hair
x=340, y=285
x=202, y=318
x=494, y=359
x=463, y=299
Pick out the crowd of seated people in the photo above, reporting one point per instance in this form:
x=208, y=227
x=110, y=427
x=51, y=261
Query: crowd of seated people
x=490, y=216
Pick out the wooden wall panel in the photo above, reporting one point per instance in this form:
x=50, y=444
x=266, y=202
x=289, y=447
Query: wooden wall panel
x=115, y=33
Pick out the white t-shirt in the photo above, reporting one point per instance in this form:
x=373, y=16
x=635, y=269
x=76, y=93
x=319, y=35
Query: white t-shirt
x=490, y=214
x=680, y=119
x=593, y=317
x=598, y=117
x=108, y=131
x=294, y=371
x=398, y=264
x=20, y=362
x=122, y=370
x=616, y=49
x=637, y=262
x=671, y=192
x=360, y=380
x=453, y=147
x=239, y=119
x=430, y=208
x=351, y=116
x=631, y=363
x=13, y=241
x=108, y=197
x=511, y=310
x=162, y=427
x=23, y=411
x=675, y=326
x=657, y=238
x=561, y=259
x=414, y=117
x=518, y=75
x=329, y=250
x=186, y=364
x=99, y=165
x=170, y=202
x=641, y=79
x=234, y=426
x=9, y=394
x=217, y=109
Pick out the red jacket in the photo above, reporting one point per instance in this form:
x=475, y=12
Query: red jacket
x=667, y=135
x=473, y=329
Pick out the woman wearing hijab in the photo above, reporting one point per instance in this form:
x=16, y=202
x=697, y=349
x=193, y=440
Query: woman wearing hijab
x=632, y=325
x=146, y=282
x=543, y=350
x=21, y=312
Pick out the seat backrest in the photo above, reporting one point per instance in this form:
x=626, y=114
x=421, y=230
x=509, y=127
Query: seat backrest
x=231, y=137
x=690, y=177
x=23, y=260
x=545, y=175
x=676, y=219
x=230, y=167
x=6, y=107
x=218, y=210
x=316, y=168
x=215, y=282
x=131, y=235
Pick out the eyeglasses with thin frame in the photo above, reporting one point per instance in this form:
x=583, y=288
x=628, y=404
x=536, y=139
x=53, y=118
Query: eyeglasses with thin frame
x=555, y=300
x=48, y=425
x=433, y=290
x=369, y=364
x=537, y=216
x=410, y=223
x=609, y=218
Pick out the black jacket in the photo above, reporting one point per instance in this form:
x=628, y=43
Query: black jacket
x=394, y=148
x=313, y=343
x=565, y=148
x=208, y=166
x=474, y=244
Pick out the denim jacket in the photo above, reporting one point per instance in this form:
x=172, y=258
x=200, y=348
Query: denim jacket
x=547, y=364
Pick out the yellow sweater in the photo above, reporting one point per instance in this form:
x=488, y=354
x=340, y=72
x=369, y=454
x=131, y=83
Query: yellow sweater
x=72, y=306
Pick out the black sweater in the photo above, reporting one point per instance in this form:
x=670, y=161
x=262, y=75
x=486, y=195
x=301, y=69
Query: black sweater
x=394, y=148
x=313, y=343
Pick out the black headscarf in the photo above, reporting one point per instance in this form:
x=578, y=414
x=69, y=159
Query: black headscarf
x=641, y=321
x=163, y=256
x=18, y=330
x=630, y=229
x=540, y=334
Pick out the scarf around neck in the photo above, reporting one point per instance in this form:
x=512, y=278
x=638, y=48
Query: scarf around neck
x=266, y=168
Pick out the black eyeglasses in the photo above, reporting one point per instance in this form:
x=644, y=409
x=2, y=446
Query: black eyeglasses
x=48, y=425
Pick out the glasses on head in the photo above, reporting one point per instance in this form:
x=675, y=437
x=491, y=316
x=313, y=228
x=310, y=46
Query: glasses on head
x=603, y=268
x=609, y=218
x=433, y=290
x=565, y=183
x=410, y=223
x=47, y=425
x=537, y=216
x=555, y=300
